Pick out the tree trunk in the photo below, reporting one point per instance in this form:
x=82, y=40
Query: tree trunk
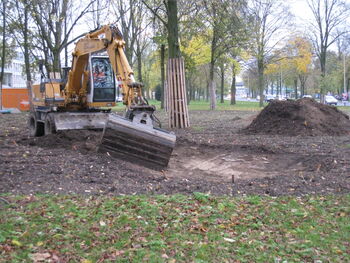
x=190, y=91
x=3, y=52
x=139, y=67
x=30, y=95
x=173, y=37
x=162, y=74
x=56, y=66
x=212, y=87
x=302, y=81
x=295, y=88
x=66, y=47
x=261, y=81
x=233, y=85
x=323, y=72
x=280, y=85
x=222, y=84
x=272, y=87
x=26, y=44
x=139, y=64
x=207, y=92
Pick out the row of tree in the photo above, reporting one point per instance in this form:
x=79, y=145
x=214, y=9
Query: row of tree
x=216, y=37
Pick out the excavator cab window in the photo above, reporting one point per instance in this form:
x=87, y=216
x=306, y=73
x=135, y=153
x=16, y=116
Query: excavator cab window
x=103, y=79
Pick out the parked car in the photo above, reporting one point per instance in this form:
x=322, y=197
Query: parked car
x=269, y=98
x=281, y=97
x=330, y=100
x=338, y=97
x=307, y=96
x=119, y=99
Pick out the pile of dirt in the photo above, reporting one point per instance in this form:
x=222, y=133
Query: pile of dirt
x=300, y=117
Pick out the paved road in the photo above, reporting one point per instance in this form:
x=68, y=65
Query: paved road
x=344, y=103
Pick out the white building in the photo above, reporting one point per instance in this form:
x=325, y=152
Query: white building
x=13, y=73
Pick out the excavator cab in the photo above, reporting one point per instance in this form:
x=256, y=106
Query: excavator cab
x=102, y=80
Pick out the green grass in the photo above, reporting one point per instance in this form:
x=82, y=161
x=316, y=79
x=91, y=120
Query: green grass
x=198, y=228
x=344, y=108
x=241, y=105
x=203, y=105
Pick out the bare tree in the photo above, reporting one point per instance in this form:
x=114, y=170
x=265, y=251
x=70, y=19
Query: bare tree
x=133, y=18
x=329, y=24
x=125, y=13
x=19, y=20
x=6, y=45
x=49, y=17
x=269, y=18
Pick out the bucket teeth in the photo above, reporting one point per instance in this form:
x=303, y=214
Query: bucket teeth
x=137, y=143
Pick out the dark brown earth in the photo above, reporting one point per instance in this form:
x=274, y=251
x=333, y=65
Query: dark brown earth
x=206, y=158
x=300, y=117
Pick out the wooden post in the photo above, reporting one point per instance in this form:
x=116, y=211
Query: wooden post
x=176, y=94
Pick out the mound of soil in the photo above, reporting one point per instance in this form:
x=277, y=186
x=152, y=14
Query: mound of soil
x=300, y=117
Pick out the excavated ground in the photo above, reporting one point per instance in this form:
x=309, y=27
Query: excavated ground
x=208, y=157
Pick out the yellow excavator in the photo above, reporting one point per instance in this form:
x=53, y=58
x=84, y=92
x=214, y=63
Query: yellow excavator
x=83, y=99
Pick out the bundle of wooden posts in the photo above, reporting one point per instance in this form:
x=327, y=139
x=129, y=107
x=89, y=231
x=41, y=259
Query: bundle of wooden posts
x=176, y=97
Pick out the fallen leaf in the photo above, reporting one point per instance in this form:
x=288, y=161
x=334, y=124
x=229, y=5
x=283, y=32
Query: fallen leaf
x=38, y=257
x=16, y=243
x=229, y=240
x=119, y=253
x=165, y=256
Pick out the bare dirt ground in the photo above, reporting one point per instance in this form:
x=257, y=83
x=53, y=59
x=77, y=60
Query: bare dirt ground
x=206, y=159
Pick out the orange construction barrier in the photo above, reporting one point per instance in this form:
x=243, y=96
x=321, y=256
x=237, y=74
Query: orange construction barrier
x=15, y=98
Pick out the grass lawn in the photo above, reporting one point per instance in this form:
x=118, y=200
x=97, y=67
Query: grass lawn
x=197, y=228
x=203, y=105
x=344, y=108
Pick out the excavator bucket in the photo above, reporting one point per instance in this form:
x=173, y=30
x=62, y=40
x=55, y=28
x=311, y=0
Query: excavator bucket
x=137, y=142
x=80, y=120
